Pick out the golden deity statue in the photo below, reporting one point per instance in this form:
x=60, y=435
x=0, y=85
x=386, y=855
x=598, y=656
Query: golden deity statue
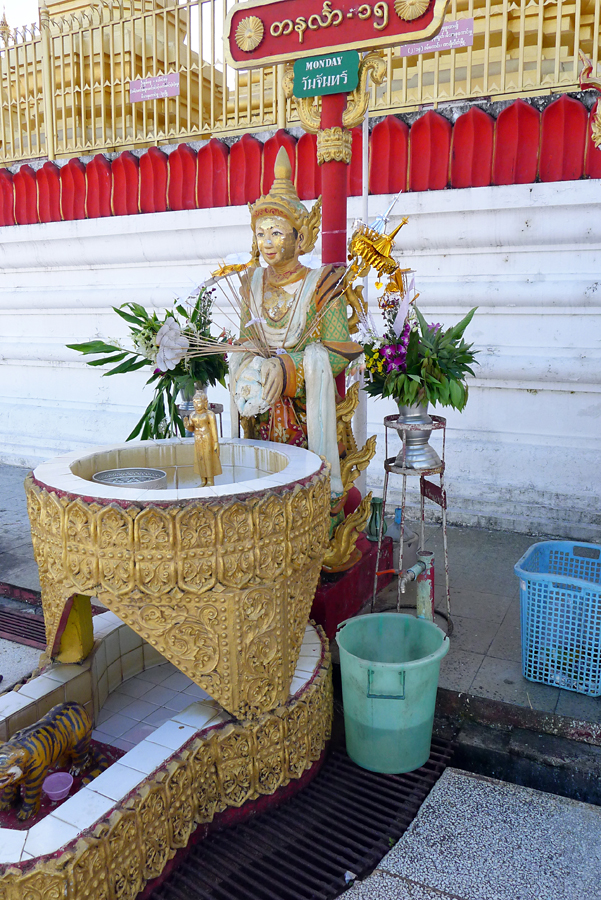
x=294, y=321
x=206, y=443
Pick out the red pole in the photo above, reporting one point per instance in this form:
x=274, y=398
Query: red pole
x=333, y=189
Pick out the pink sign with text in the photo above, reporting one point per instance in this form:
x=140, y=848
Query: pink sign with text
x=451, y=35
x=156, y=87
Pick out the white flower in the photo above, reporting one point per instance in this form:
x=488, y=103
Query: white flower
x=172, y=345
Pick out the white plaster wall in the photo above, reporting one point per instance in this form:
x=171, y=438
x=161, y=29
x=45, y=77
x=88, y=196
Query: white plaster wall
x=525, y=453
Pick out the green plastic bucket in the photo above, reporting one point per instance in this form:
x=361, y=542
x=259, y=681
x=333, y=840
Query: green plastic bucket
x=390, y=665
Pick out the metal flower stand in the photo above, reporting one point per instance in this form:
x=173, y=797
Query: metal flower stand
x=395, y=465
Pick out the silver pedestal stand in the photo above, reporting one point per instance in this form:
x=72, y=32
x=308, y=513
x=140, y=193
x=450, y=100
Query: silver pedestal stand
x=394, y=465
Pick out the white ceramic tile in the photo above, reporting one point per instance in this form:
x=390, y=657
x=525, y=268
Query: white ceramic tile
x=116, y=782
x=102, y=688
x=311, y=637
x=83, y=809
x=146, y=756
x=197, y=692
x=122, y=744
x=99, y=735
x=134, y=687
x=151, y=656
x=38, y=687
x=114, y=674
x=117, y=701
x=198, y=715
x=98, y=660
x=138, y=733
x=158, y=674
x=161, y=715
x=117, y=724
x=298, y=682
x=60, y=674
x=112, y=647
x=11, y=845
x=177, y=703
x=49, y=835
x=128, y=639
x=172, y=735
x=304, y=667
x=12, y=702
x=159, y=695
x=132, y=662
x=177, y=682
x=139, y=709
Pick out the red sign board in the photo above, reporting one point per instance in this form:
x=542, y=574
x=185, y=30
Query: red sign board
x=274, y=31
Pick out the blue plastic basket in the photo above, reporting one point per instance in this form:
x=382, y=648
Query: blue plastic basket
x=560, y=603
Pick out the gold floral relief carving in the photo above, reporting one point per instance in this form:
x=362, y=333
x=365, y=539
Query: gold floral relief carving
x=208, y=585
x=207, y=789
x=234, y=759
x=223, y=768
x=269, y=741
x=296, y=741
x=195, y=541
x=89, y=879
x=182, y=807
x=153, y=540
x=123, y=848
x=116, y=550
x=152, y=814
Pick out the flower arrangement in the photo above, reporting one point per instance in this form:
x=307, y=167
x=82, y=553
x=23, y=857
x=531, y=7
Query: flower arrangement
x=168, y=345
x=416, y=362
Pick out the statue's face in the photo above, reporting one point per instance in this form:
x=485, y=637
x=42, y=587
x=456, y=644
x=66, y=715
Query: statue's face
x=278, y=241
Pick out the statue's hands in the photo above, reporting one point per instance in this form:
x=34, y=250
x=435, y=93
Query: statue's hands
x=272, y=379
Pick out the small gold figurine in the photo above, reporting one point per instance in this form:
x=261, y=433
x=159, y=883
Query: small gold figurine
x=206, y=443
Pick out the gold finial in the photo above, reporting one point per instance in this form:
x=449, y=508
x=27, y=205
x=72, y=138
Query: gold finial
x=4, y=27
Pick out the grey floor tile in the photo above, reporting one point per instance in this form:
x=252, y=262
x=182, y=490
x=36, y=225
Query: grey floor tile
x=478, y=605
x=482, y=839
x=507, y=643
x=472, y=634
x=23, y=574
x=458, y=669
x=502, y=679
x=579, y=706
x=383, y=886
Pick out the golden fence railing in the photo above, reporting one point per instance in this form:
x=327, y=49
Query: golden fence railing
x=64, y=87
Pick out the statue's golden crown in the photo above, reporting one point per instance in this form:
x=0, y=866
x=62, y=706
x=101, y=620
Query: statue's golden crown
x=282, y=201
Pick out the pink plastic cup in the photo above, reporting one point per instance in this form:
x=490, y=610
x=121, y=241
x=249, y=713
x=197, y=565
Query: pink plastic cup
x=57, y=785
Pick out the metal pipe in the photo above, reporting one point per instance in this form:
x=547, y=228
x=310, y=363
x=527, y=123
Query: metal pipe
x=425, y=585
x=411, y=574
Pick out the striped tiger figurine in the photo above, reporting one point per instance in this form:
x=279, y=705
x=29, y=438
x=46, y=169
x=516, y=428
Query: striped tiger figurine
x=62, y=734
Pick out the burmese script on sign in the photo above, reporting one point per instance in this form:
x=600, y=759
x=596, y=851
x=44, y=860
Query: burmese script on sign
x=156, y=87
x=378, y=14
x=264, y=32
x=450, y=36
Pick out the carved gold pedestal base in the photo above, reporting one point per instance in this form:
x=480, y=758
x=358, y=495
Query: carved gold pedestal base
x=217, y=769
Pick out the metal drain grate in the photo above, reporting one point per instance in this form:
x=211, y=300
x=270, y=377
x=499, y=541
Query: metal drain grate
x=23, y=628
x=344, y=821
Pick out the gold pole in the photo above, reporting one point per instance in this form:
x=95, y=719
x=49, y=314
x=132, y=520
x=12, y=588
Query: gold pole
x=281, y=101
x=47, y=66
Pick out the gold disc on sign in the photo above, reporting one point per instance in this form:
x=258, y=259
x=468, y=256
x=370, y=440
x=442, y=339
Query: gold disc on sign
x=249, y=33
x=408, y=10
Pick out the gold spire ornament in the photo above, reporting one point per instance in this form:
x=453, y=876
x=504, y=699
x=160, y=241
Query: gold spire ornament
x=368, y=249
x=283, y=202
